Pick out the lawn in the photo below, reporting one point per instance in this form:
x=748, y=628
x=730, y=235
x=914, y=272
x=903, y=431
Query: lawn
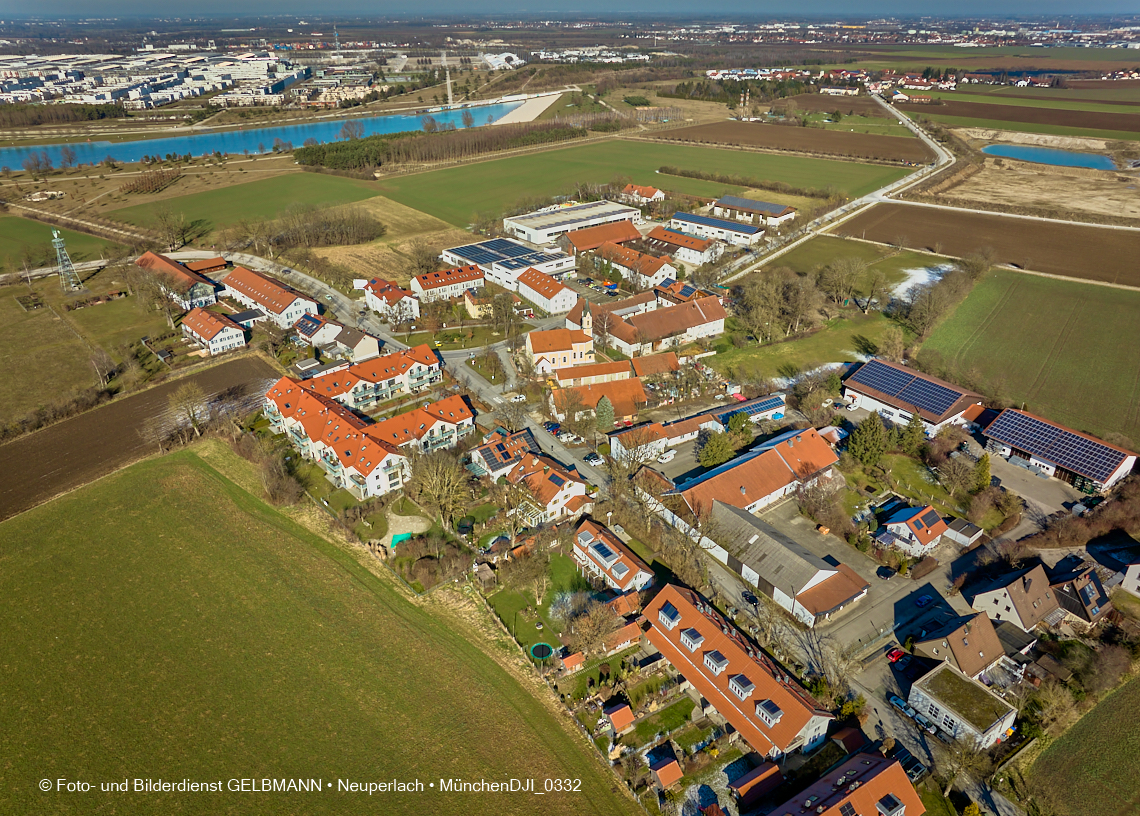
x=457, y=194
x=120, y=322
x=255, y=199
x=1095, y=760
x=1069, y=351
x=862, y=124
x=663, y=722
x=22, y=236
x=456, y=338
x=480, y=367
x=811, y=256
x=518, y=613
x=164, y=623
x=842, y=340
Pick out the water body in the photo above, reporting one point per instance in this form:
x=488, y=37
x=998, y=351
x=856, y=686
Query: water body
x=1050, y=155
x=249, y=140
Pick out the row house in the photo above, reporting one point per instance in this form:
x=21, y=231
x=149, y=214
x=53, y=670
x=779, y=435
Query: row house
x=685, y=248
x=185, y=286
x=390, y=301
x=601, y=554
x=214, y=332
x=280, y=303
x=364, y=385
x=448, y=283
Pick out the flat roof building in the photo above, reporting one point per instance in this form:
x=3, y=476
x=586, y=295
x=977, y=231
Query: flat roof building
x=718, y=229
x=544, y=226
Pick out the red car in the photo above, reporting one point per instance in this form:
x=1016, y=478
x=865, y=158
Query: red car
x=895, y=654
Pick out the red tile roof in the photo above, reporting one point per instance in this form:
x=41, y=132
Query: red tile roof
x=625, y=555
x=592, y=370
x=207, y=265
x=627, y=396
x=573, y=662
x=680, y=239
x=593, y=237
x=768, y=679
x=637, y=189
x=639, y=262
x=620, y=717
x=270, y=294
x=458, y=274
x=668, y=772
x=833, y=592
x=544, y=477
x=672, y=321
x=656, y=364
x=181, y=277
x=757, y=783
x=542, y=283
x=553, y=340
x=415, y=424
x=388, y=290
x=208, y=325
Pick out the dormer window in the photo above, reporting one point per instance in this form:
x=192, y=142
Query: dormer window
x=741, y=686
x=669, y=616
x=691, y=639
x=768, y=713
x=716, y=662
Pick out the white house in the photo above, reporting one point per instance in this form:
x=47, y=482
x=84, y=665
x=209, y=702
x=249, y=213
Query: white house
x=545, y=292
x=916, y=530
x=685, y=248
x=896, y=392
x=639, y=195
x=558, y=348
x=390, y=301
x=555, y=492
x=214, y=332
x=448, y=283
x=961, y=707
x=718, y=229
x=603, y=555
x=751, y=210
x=362, y=385
x=1131, y=582
x=543, y=226
x=185, y=287
x=280, y=303
x=645, y=271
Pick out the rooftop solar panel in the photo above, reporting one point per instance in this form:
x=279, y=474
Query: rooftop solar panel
x=1052, y=443
x=930, y=518
x=557, y=480
x=928, y=396
x=883, y=378
x=693, y=218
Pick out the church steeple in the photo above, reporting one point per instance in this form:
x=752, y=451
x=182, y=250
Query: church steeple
x=587, y=318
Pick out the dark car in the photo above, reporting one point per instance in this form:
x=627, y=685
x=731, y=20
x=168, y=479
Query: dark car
x=749, y=598
x=923, y=601
x=886, y=573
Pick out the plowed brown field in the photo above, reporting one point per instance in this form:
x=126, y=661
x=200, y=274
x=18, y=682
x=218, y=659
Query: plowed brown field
x=1093, y=120
x=805, y=140
x=1072, y=250
x=859, y=105
x=83, y=448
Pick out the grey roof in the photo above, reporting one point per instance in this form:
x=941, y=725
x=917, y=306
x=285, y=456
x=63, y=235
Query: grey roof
x=738, y=203
x=960, y=525
x=775, y=557
x=1013, y=639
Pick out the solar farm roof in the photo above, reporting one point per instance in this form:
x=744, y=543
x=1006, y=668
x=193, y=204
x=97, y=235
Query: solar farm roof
x=1057, y=444
x=908, y=388
x=506, y=253
x=720, y=223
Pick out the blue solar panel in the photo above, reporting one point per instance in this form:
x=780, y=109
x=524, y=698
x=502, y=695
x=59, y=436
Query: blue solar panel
x=1052, y=443
x=750, y=409
x=883, y=378
x=929, y=396
x=557, y=480
x=508, y=254
x=717, y=222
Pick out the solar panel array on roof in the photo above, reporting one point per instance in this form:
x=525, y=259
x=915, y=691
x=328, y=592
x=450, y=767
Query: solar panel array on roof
x=751, y=409
x=735, y=202
x=930, y=518
x=717, y=222
x=1055, y=444
x=506, y=253
x=907, y=387
x=929, y=396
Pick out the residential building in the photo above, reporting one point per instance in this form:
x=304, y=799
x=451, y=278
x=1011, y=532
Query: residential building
x=660, y=329
x=1131, y=582
x=1079, y=591
x=969, y=644
x=592, y=374
x=315, y=330
x=867, y=784
x=1083, y=461
x=685, y=248
x=644, y=271
x=752, y=211
x=717, y=229
x=558, y=348
x=545, y=292
x=626, y=396
x=503, y=260
x=184, y=286
x=501, y=451
x=670, y=292
x=1023, y=598
x=280, y=303
x=897, y=392
x=214, y=332
x=639, y=195
x=582, y=317
x=808, y=587
x=770, y=711
x=543, y=226
x=963, y=708
x=447, y=284
x=438, y=426
x=915, y=530
x=586, y=240
x=555, y=492
x=392, y=302
x=601, y=554
x=363, y=385
x=353, y=345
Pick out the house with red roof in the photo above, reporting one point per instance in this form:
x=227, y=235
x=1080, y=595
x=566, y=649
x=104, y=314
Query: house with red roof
x=916, y=530
x=447, y=283
x=363, y=385
x=641, y=195
x=626, y=396
x=554, y=491
x=602, y=555
x=281, y=304
x=590, y=238
x=214, y=332
x=552, y=296
x=592, y=374
x=764, y=704
x=558, y=348
x=684, y=247
x=666, y=773
x=185, y=286
x=756, y=784
x=868, y=784
x=392, y=302
x=501, y=451
x=620, y=717
x=644, y=271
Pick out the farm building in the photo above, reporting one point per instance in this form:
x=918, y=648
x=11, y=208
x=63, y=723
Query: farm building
x=558, y=348
x=448, y=283
x=207, y=265
x=585, y=240
x=601, y=554
x=392, y=302
x=503, y=260
x=214, y=332
x=808, y=587
x=592, y=374
x=636, y=194
x=545, y=292
x=752, y=211
x=661, y=329
x=768, y=709
x=626, y=396
x=544, y=226
x=642, y=270
x=656, y=365
x=897, y=392
x=963, y=708
x=717, y=229
x=280, y=303
x=685, y=248
x=1083, y=461
x=181, y=284
x=868, y=784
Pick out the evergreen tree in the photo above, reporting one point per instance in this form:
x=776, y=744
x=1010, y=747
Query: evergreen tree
x=740, y=426
x=868, y=441
x=913, y=436
x=604, y=415
x=982, y=473
x=717, y=450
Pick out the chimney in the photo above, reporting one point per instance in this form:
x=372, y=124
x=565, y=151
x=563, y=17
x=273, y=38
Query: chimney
x=743, y=490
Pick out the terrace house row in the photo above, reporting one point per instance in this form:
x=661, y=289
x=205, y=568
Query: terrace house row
x=363, y=385
x=280, y=303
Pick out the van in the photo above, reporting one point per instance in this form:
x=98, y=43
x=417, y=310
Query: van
x=666, y=457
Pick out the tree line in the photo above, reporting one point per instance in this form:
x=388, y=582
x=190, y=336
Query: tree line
x=754, y=183
x=32, y=115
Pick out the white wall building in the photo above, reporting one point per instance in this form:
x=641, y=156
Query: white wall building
x=545, y=292
x=448, y=283
x=543, y=226
x=963, y=708
x=214, y=332
x=281, y=304
x=718, y=229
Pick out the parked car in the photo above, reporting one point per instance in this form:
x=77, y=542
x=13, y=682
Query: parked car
x=886, y=573
x=852, y=407
x=666, y=457
x=894, y=654
x=903, y=662
x=553, y=427
x=901, y=705
x=927, y=725
x=923, y=601
x=749, y=598
x=565, y=436
x=594, y=459
x=518, y=398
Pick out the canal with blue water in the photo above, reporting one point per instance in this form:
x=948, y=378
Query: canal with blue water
x=1049, y=155
x=248, y=140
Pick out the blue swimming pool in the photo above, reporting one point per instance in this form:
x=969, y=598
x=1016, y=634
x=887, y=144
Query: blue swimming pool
x=251, y=140
x=1050, y=155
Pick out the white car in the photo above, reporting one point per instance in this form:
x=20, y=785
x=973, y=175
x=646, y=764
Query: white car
x=852, y=407
x=666, y=457
x=518, y=398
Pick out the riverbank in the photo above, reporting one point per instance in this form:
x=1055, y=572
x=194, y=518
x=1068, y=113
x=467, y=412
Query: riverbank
x=530, y=110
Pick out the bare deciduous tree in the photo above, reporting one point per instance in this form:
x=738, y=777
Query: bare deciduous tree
x=440, y=482
x=189, y=408
x=589, y=631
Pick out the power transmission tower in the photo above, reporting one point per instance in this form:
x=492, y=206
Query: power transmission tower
x=68, y=277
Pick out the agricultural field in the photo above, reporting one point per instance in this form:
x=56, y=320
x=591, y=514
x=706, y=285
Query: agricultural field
x=847, y=105
x=1069, y=350
x=1032, y=114
x=221, y=639
x=1070, y=250
x=1095, y=760
x=23, y=239
x=805, y=140
x=1035, y=99
x=496, y=185
x=898, y=268
x=265, y=198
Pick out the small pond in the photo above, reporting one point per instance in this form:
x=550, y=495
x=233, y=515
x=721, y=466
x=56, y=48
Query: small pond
x=1050, y=155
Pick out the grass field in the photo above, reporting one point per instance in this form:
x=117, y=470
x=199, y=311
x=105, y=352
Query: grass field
x=1070, y=351
x=164, y=623
x=256, y=199
x=810, y=256
x=20, y=236
x=1090, y=762
x=863, y=124
x=457, y=194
